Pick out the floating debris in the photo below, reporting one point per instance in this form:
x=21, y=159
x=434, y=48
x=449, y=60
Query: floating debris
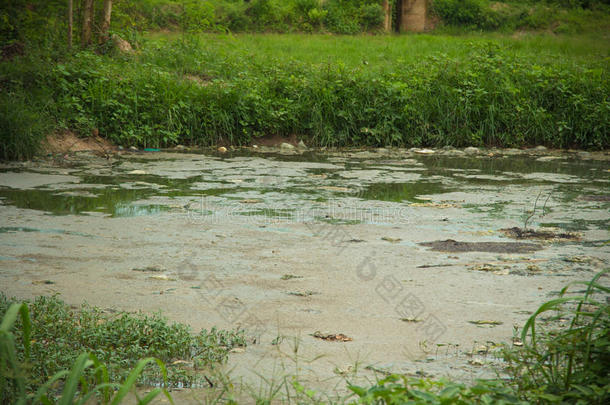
x=517, y=341
x=411, y=320
x=518, y=233
x=490, y=268
x=451, y=245
x=488, y=323
x=332, y=337
x=579, y=259
x=46, y=282
x=307, y=293
x=148, y=269
x=434, y=205
x=289, y=277
x=391, y=240
x=424, y=151
x=162, y=277
x=429, y=266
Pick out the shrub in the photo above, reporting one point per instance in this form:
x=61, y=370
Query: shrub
x=23, y=126
x=460, y=12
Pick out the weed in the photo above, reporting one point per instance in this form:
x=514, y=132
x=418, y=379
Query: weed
x=566, y=363
x=87, y=378
x=59, y=336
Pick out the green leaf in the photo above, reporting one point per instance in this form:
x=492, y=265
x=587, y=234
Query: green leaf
x=132, y=378
x=78, y=369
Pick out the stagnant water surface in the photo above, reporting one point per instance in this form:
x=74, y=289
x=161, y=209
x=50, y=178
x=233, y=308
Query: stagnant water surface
x=311, y=242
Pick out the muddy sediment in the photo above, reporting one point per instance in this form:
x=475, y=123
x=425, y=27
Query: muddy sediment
x=453, y=246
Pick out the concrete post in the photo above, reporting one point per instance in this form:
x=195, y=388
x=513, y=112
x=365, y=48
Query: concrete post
x=413, y=15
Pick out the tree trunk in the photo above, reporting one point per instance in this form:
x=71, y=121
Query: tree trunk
x=87, y=22
x=387, y=22
x=70, y=22
x=106, y=21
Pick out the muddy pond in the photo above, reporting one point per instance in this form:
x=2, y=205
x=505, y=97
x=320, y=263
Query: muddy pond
x=361, y=261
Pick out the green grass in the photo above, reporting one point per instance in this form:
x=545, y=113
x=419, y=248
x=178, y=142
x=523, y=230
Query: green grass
x=386, y=52
x=54, y=338
x=412, y=90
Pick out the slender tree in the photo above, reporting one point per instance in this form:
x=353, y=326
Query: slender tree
x=70, y=22
x=87, y=22
x=106, y=21
x=387, y=10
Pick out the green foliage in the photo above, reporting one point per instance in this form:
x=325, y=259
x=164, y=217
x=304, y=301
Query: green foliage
x=567, y=364
x=197, y=91
x=23, y=126
x=569, y=16
x=55, y=338
x=395, y=389
x=460, y=12
x=13, y=382
x=87, y=378
x=487, y=98
x=251, y=16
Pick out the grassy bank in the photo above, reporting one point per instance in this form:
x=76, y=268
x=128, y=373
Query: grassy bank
x=562, y=359
x=330, y=91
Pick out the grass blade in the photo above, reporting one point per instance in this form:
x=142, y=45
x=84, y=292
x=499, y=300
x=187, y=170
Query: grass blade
x=69, y=392
x=132, y=378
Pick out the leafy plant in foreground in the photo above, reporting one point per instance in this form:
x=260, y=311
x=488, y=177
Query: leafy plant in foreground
x=570, y=363
x=57, y=336
x=87, y=378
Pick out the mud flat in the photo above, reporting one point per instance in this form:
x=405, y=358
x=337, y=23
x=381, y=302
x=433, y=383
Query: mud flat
x=337, y=263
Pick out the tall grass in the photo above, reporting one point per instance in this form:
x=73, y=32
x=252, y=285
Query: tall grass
x=567, y=364
x=329, y=91
x=485, y=95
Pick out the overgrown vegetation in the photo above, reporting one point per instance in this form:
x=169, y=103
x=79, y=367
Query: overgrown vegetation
x=205, y=89
x=563, y=358
x=558, y=16
x=54, y=337
x=185, y=91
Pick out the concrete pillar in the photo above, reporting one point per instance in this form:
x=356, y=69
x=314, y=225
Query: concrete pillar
x=413, y=15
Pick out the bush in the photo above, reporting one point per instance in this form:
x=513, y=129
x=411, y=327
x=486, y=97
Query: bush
x=23, y=126
x=197, y=16
x=460, y=12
